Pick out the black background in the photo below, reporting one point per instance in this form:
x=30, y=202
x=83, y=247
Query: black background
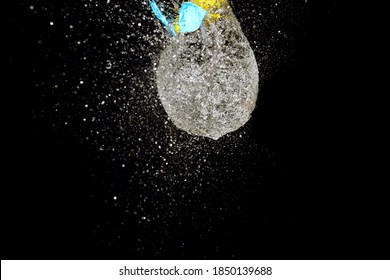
x=320, y=116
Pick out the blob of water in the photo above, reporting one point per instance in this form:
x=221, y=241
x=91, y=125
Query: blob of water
x=208, y=80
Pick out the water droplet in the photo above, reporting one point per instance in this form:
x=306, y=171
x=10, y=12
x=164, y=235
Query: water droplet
x=108, y=64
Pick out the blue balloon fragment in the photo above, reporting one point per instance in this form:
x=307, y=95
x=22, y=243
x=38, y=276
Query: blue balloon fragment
x=190, y=17
x=156, y=10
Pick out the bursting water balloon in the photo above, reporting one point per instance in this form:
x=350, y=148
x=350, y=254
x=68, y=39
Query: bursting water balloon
x=207, y=77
